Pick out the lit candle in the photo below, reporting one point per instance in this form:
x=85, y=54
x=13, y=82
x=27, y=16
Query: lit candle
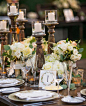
x=3, y=24
x=21, y=15
x=51, y=16
x=13, y=9
x=37, y=27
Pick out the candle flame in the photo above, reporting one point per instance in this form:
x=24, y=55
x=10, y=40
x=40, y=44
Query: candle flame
x=19, y=10
x=2, y=20
x=13, y=4
x=37, y=21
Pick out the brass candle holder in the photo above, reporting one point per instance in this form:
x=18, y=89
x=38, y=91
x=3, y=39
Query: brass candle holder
x=39, y=50
x=21, y=27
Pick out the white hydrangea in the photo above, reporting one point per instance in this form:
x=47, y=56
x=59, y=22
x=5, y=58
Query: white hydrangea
x=58, y=67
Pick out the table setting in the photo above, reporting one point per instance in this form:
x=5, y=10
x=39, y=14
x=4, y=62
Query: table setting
x=49, y=65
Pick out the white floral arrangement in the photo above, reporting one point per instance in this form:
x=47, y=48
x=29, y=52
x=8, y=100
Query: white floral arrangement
x=19, y=50
x=54, y=66
x=23, y=49
x=68, y=50
x=63, y=51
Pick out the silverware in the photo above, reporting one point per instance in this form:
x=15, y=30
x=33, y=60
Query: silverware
x=41, y=103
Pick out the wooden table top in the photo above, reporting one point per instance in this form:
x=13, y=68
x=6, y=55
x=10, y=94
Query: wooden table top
x=4, y=99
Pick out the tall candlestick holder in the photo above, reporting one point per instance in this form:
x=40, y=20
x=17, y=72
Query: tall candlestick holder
x=3, y=37
x=50, y=22
x=39, y=51
x=21, y=21
x=14, y=28
x=21, y=27
x=13, y=12
x=51, y=37
x=38, y=31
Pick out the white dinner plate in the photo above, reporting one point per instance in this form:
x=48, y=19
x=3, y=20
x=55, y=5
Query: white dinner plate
x=72, y=100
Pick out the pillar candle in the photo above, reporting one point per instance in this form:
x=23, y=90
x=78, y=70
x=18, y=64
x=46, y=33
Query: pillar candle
x=21, y=15
x=51, y=16
x=13, y=9
x=37, y=27
x=3, y=24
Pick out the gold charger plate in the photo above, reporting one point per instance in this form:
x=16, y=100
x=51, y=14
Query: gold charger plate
x=14, y=98
x=19, y=83
x=83, y=92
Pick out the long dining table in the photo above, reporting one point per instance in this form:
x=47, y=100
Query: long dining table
x=4, y=100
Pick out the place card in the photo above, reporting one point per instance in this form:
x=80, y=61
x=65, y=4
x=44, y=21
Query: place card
x=47, y=78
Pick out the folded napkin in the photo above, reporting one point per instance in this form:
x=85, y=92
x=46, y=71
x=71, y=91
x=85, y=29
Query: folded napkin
x=8, y=81
x=39, y=98
x=9, y=89
x=7, y=85
x=33, y=95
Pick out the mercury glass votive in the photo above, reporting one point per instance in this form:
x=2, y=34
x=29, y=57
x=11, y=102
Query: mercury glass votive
x=22, y=14
x=4, y=25
x=50, y=16
x=12, y=9
x=38, y=28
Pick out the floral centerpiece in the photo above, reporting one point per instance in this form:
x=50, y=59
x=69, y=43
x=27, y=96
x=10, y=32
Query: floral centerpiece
x=19, y=51
x=63, y=51
x=68, y=50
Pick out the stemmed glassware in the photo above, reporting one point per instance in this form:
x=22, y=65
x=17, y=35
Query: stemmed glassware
x=59, y=78
x=68, y=75
x=34, y=70
x=26, y=70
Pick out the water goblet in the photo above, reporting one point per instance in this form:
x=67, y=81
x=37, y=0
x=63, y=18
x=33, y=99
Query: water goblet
x=34, y=71
x=59, y=78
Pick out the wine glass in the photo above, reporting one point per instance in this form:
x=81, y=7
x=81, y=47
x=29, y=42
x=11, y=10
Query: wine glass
x=59, y=78
x=34, y=70
x=26, y=70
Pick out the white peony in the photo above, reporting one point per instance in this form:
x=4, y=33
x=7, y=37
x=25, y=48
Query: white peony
x=47, y=66
x=75, y=51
